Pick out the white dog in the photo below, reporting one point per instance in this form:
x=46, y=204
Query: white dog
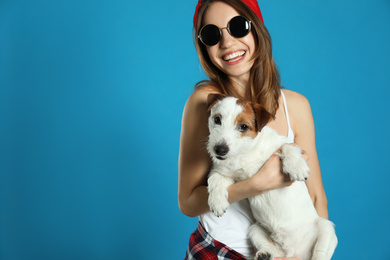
x=287, y=223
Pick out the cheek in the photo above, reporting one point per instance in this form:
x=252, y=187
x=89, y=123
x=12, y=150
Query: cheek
x=212, y=52
x=250, y=42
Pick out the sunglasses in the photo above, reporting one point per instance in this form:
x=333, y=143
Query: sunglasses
x=237, y=27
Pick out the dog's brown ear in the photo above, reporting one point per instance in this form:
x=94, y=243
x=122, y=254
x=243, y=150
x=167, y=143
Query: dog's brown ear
x=262, y=116
x=213, y=98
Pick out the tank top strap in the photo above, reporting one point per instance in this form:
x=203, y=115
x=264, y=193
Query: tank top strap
x=290, y=134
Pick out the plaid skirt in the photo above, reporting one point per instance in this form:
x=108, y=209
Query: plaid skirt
x=203, y=247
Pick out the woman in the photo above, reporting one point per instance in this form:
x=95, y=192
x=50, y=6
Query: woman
x=235, y=51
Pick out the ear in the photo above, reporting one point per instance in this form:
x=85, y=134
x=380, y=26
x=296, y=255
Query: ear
x=262, y=116
x=212, y=99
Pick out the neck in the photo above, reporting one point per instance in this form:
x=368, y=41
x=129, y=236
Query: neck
x=241, y=86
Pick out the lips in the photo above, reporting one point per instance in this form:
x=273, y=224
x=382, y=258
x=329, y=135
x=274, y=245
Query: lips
x=234, y=57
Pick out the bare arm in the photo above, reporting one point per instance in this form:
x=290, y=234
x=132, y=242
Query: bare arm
x=194, y=161
x=303, y=127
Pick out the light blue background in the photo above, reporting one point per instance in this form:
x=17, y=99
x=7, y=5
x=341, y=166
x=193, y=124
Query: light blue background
x=91, y=97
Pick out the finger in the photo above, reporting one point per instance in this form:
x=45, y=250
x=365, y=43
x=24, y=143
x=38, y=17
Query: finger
x=275, y=156
x=287, y=180
x=290, y=183
x=279, y=151
x=305, y=156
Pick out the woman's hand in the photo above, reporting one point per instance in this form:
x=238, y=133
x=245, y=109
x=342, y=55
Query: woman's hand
x=271, y=175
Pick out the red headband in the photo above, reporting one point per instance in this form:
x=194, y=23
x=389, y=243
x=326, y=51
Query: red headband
x=252, y=4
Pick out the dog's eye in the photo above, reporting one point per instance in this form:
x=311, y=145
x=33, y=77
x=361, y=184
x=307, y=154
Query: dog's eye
x=244, y=128
x=217, y=120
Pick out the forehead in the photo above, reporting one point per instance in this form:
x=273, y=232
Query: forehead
x=246, y=107
x=219, y=13
x=227, y=107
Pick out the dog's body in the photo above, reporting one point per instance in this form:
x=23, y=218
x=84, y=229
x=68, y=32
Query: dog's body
x=287, y=223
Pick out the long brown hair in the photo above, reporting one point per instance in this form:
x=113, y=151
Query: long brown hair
x=264, y=81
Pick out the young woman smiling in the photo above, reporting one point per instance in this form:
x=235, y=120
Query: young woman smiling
x=234, y=48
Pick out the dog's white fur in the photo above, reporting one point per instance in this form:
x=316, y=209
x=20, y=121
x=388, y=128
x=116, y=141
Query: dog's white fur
x=287, y=223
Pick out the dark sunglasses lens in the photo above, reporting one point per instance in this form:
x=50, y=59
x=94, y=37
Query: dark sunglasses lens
x=210, y=35
x=239, y=26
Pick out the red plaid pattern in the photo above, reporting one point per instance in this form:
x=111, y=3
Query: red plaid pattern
x=203, y=247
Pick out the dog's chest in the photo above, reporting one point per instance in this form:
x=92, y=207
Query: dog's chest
x=241, y=168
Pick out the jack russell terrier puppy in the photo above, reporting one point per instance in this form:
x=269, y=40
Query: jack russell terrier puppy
x=239, y=143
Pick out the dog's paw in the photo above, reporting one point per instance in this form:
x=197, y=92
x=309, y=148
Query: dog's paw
x=263, y=256
x=218, y=204
x=294, y=164
x=298, y=170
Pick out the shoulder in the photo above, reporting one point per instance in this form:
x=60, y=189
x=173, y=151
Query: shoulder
x=203, y=91
x=299, y=109
x=198, y=99
x=195, y=112
x=296, y=100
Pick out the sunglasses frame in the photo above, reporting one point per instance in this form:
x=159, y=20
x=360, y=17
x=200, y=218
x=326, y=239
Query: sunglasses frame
x=227, y=29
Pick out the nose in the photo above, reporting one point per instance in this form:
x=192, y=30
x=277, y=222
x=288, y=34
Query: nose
x=221, y=149
x=226, y=38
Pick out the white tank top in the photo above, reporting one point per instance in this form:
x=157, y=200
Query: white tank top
x=232, y=228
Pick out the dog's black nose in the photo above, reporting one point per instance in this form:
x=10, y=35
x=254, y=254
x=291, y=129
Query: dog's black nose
x=221, y=149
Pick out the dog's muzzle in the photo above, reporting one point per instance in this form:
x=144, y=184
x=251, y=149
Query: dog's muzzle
x=221, y=150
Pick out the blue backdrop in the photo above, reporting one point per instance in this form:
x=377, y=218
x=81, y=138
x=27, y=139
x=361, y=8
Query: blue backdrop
x=91, y=98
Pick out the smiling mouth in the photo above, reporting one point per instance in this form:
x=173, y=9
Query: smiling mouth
x=235, y=56
x=220, y=158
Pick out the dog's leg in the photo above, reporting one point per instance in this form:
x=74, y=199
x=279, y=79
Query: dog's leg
x=218, y=194
x=293, y=163
x=326, y=241
x=260, y=238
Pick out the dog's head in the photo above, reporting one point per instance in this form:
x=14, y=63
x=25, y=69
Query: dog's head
x=233, y=124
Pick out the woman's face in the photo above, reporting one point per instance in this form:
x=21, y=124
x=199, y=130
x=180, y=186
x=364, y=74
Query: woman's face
x=233, y=56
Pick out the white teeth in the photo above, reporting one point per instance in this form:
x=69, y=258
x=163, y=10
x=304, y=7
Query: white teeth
x=234, y=55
